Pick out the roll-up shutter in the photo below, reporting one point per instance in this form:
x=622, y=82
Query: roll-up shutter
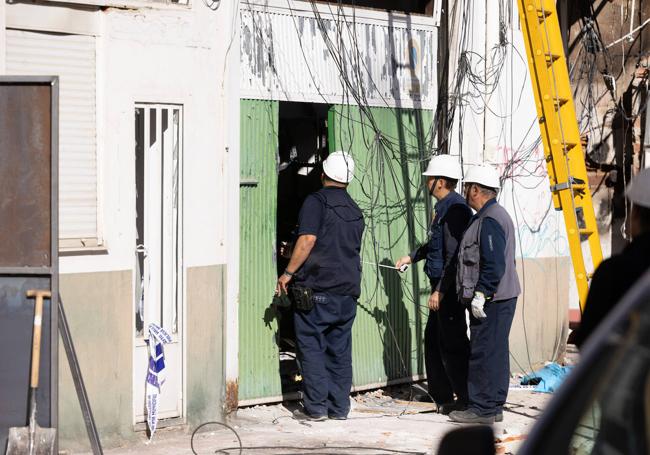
x=72, y=58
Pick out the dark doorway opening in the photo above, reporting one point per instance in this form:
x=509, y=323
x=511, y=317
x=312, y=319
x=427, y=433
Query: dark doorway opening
x=303, y=145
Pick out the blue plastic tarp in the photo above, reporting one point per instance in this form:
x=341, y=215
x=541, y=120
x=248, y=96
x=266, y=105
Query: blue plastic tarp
x=548, y=379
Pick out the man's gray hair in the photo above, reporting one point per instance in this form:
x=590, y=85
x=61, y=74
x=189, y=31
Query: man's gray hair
x=490, y=192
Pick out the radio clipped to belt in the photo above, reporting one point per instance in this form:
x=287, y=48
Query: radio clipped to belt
x=303, y=298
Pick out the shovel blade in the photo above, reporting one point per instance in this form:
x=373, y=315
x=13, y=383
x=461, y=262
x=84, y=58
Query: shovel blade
x=18, y=442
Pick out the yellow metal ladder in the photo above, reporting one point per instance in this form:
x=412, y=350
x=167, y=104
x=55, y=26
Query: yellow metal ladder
x=560, y=134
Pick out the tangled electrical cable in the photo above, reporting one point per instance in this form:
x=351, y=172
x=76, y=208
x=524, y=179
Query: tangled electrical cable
x=325, y=449
x=469, y=85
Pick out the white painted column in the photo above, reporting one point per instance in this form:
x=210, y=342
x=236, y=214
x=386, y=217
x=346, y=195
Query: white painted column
x=231, y=103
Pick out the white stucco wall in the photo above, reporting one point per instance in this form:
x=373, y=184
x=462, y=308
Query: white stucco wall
x=158, y=54
x=161, y=56
x=499, y=125
x=165, y=54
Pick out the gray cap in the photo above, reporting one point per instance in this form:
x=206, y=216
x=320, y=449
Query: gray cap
x=638, y=191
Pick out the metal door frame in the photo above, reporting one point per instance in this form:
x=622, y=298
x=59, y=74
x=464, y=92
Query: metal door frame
x=180, y=336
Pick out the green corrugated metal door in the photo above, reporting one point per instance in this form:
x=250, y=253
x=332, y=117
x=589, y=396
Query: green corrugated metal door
x=389, y=148
x=258, y=352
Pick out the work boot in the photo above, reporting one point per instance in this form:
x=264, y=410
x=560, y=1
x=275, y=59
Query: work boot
x=300, y=414
x=470, y=416
x=447, y=408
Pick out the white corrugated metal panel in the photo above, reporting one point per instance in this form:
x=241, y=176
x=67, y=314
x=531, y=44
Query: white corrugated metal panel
x=38, y=17
x=72, y=58
x=297, y=56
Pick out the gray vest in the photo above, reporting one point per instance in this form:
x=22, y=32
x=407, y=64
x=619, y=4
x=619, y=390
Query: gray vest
x=469, y=257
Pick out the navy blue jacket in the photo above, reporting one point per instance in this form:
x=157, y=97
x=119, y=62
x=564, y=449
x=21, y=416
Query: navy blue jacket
x=493, y=254
x=452, y=216
x=334, y=264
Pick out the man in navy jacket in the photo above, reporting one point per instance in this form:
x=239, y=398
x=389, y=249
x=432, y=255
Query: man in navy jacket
x=446, y=346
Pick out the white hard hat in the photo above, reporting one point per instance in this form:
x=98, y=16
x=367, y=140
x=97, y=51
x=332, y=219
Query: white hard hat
x=339, y=166
x=483, y=174
x=444, y=166
x=638, y=191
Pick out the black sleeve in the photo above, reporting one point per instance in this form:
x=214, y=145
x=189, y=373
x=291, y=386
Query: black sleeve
x=420, y=253
x=455, y=224
x=310, y=217
x=600, y=300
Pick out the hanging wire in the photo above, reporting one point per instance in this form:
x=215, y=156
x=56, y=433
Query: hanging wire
x=475, y=81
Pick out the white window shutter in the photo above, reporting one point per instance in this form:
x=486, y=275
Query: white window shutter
x=72, y=58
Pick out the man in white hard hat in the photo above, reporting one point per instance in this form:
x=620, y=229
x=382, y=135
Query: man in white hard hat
x=326, y=269
x=616, y=275
x=446, y=346
x=487, y=282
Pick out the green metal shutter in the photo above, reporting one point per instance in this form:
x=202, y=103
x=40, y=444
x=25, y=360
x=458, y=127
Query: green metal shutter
x=390, y=149
x=258, y=352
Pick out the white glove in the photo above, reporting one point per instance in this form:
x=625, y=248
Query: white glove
x=477, y=305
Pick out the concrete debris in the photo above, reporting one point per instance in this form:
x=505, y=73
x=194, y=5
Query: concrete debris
x=380, y=419
x=392, y=402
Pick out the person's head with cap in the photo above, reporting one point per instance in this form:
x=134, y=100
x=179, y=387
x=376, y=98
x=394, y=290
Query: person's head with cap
x=443, y=173
x=338, y=169
x=481, y=184
x=638, y=192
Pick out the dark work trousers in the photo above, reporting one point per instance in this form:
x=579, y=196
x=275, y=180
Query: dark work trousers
x=489, y=361
x=324, y=337
x=446, y=351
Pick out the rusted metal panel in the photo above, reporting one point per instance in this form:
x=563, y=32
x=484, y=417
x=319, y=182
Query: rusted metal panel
x=293, y=54
x=25, y=176
x=232, y=396
x=28, y=243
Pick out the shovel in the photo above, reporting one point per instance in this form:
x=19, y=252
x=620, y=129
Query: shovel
x=33, y=440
